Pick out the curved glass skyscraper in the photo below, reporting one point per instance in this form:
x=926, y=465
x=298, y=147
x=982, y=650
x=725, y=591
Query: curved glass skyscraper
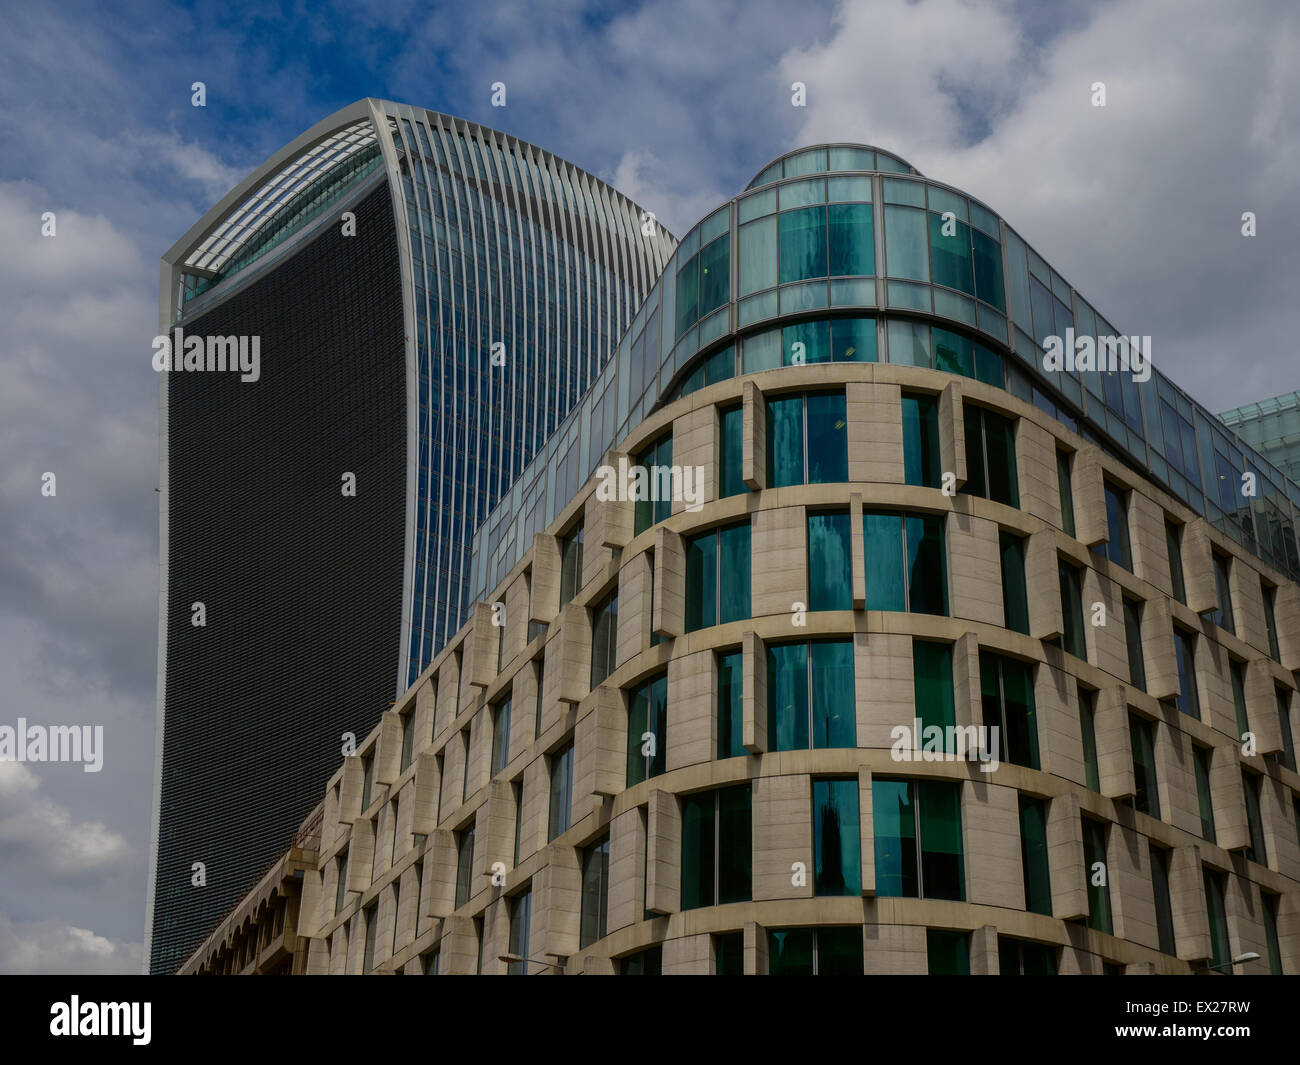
x=418, y=301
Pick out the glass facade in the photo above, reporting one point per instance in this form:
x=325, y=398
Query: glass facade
x=717, y=576
x=647, y=730
x=1007, y=699
x=823, y=951
x=810, y=695
x=807, y=441
x=717, y=853
x=906, y=562
x=918, y=839
x=837, y=858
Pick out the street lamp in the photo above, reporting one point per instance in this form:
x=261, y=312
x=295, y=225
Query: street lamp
x=1240, y=959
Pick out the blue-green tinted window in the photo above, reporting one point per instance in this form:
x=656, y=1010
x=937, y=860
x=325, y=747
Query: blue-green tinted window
x=647, y=730
x=950, y=254
x=1270, y=619
x=953, y=353
x=803, y=244
x=1088, y=730
x=918, y=839
x=815, y=951
x=852, y=242
x=906, y=242
x=785, y=459
x=720, y=366
x=1015, y=592
x=1164, y=905
x=1256, y=851
x=654, y=487
x=837, y=856
x=1033, y=855
x=561, y=791
x=1174, y=547
x=1271, y=903
x=990, y=456
x=521, y=907
x=729, y=954
x=830, y=571
x=853, y=339
x=604, y=638
x=806, y=342
x=500, y=736
x=1097, y=875
x=1222, y=614
x=906, y=567
x=811, y=695
x=1188, y=699
x=1007, y=698
x=718, y=577
x=715, y=274
x=1071, y=582
x=688, y=295
x=733, y=452
x=988, y=270
x=464, y=866
x=1065, y=488
x=1022, y=957
x=1146, y=787
x=1204, y=800
x=595, y=893
x=812, y=426
x=1237, y=676
x=1117, y=543
x=648, y=962
x=1137, y=669
x=1287, y=755
x=717, y=847
x=730, y=691
x=988, y=367
x=1215, y=890
x=921, y=462
x=756, y=255
x=947, y=953
x=932, y=688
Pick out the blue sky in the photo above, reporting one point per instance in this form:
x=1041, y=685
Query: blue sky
x=677, y=103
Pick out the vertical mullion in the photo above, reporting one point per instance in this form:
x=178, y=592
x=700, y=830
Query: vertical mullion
x=907, y=578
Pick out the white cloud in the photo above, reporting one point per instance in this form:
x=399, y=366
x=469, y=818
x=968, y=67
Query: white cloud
x=54, y=947
x=42, y=834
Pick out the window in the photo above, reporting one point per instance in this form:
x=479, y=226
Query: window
x=571, y=565
x=1023, y=957
x=1007, y=697
x=906, y=562
x=815, y=951
x=1033, y=855
x=1072, y=609
x=561, y=791
x=1137, y=670
x=947, y=953
x=1164, y=908
x=729, y=954
x=648, y=962
x=807, y=441
x=1065, y=485
x=1174, y=545
x=341, y=888
x=906, y=243
x=367, y=779
x=464, y=762
x=1097, y=872
x=1087, y=726
x=1015, y=593
x=1201, y=767
x=1222, y=615
x=595, y=893
x=657, y=462
x=520, y=918
x=408, y=738
x=1146, y=793
x=932, y=689
x=918, y=839
x=1270, y=619
x=647, y=730
x=517, y=793
x=810, y=695
x=732, y=481
x=372, y=927
x=802, y=238
x=464, y=865
x=433, y=962
x=604, y=637
x=539, y=667
x=1188, y=700
x=950, y=260
x=1237, y=673
x=717, y=859
x=1256, y=852
x=717, y=576
x=1287, y=754
x=500, y=736
x=990, y=456
x=837, y=856
x=1270, y=932
x=852, y=250
x=730, y=691
x=921, y=462
x=1117, y=539
x=830, y=569
x=1215, y=889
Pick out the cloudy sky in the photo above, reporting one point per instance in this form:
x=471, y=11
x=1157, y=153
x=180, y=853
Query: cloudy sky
x=678, y=103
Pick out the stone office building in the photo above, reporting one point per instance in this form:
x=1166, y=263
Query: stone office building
x=679, y=750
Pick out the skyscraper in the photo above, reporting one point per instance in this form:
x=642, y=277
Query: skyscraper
x=418, y=301
x=693, y=745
